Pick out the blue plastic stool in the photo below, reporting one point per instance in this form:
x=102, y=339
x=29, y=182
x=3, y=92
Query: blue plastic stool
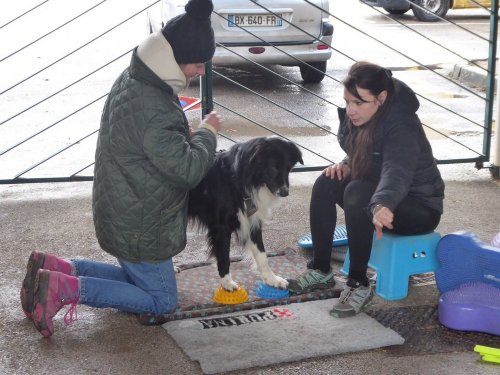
x=395, y=258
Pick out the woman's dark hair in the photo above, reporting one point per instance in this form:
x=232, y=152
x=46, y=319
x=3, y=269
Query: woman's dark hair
x=375, y=79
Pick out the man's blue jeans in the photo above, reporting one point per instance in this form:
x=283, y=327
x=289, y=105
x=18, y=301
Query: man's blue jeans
x=141, y=288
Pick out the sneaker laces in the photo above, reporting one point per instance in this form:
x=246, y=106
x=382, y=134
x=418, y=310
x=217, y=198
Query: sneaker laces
x=68, y=295
x=71, y=296
x=347, y=295
x=309, y=277
x=71, y=315
x=304, y=279
x=355, y=297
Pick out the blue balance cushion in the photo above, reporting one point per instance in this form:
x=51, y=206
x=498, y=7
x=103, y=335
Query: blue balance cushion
x=464, y=258
x=473, y=306
x=339, y=238
x=268, y=292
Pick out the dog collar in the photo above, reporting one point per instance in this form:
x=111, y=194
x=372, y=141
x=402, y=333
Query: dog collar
x=250, y=207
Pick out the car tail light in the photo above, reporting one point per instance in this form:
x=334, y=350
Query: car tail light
x=322, y=46
x=256, y=50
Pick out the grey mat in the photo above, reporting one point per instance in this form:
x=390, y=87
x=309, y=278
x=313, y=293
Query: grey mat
x=276, y=334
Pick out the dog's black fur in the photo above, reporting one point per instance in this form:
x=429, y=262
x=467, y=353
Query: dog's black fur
x=237, y=195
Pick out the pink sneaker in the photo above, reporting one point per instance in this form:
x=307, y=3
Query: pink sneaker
x=53, y=290
x=36, y=261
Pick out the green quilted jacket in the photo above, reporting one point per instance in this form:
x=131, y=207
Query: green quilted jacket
x=145, y=164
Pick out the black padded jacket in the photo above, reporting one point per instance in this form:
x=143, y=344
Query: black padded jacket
x=402, y=161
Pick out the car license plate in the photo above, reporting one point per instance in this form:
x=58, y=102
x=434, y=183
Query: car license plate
x=254, y=20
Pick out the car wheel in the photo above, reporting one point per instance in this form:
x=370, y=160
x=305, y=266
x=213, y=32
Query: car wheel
x=438, y=7
x=396, y=11
x=310, y=75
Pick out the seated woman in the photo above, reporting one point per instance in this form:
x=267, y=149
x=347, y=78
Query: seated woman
x=389, y=180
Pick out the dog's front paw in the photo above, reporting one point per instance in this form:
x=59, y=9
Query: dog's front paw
x=276, y=282
x=228, y=283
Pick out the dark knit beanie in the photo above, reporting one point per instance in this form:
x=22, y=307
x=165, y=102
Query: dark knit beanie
x=190, y=34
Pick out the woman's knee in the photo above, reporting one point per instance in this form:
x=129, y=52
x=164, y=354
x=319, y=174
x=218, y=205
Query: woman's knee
x=326, y=187
x=357, y=194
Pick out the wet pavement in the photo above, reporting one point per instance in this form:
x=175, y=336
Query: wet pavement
x=58, y=218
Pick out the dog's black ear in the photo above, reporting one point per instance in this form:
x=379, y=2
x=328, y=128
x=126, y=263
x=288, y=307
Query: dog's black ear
x=256, y=151
x=300, y=159
x=297, y=154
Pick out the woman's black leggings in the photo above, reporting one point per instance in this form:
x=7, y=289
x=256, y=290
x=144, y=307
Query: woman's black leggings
x=410, y=217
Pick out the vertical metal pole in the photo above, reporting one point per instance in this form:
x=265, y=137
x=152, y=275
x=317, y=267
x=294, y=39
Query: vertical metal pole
x=490, y=81
x=207, y=104
x=495, y=158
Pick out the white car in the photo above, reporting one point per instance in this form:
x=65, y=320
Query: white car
x=280, y=32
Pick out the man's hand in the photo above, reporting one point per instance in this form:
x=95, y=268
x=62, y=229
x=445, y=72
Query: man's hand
x=214, y=119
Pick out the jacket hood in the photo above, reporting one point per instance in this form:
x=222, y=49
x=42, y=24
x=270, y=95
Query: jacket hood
x=404, y=99
x=156, y=53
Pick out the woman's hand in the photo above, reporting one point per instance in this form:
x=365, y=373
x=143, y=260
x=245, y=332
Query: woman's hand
x=339, y=170
x=382, y=217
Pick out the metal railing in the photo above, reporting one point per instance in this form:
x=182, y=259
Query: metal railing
x=82, y=169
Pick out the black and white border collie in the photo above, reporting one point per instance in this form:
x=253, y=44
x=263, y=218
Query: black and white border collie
x=237, y=196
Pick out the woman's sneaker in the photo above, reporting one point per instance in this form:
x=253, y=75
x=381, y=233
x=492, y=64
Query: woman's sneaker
x=311, y=280
x=353, y=299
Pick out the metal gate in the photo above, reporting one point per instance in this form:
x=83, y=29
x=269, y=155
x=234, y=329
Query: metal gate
x=54, y=80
